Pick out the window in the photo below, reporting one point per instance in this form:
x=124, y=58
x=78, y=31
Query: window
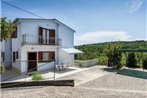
x=46, y=56
x=1, y=39
x=52, y=55
x=46, y=36
x=14, y=34
x=15, y=55
x=3, y=56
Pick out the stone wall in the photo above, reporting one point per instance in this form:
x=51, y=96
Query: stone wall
x=38, y=83
x=86, y=63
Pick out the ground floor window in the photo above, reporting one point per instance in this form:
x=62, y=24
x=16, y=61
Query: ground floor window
x=15, y=55
x=3, y=56
x=46, y=56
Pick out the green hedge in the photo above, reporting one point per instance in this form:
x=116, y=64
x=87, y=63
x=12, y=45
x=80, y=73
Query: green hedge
x=144, y=63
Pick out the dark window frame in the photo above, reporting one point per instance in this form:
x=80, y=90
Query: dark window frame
x=52, y=36
x=3, y=56
x=15, y=56
x=14, y=34
x=50, y=55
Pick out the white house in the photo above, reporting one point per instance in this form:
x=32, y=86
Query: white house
x=2, y=51
x=38, y=44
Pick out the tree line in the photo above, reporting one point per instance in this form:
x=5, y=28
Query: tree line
x=108, y=53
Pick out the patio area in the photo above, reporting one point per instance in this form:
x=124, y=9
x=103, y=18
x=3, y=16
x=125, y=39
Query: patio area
x=14, y=75
x=103, y=82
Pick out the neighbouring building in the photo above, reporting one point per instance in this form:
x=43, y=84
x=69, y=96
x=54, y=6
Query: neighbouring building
x=2, y=51
x=38, y=42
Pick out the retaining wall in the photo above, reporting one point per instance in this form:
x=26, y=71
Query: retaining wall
x=38, y=83
x=86, y=63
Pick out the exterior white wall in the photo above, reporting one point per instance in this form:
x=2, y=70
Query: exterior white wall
x=67, y=37
x=16, y=46
x=2, y=45
x=16, y=42
x=2, y=48
x=37, y=48
x=8, y=56
x=44, y=66
x=32, y=27
x=65, y=57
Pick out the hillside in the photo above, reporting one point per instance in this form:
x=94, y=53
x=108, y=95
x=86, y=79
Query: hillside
x=98, y=50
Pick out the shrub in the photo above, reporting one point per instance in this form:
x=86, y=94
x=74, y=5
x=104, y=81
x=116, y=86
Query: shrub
x=2, y=69
x=102, y=60
x=131, y=60
x=37, y=76
x=144, y=63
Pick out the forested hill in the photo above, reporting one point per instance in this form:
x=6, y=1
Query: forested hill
x=98, y=50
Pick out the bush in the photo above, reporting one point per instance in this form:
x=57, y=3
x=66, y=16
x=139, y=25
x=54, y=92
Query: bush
x=37, y=76
x=144, y=63
x=102, y=60
x=2, y=69
x=131, y=60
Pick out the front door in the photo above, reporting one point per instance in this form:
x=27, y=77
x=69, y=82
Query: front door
x=32, y=61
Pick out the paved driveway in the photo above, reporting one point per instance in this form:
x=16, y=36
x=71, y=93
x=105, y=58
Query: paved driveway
x=109, y=86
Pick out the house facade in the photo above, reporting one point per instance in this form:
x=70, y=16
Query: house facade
x=39, y=44
x=2, y=51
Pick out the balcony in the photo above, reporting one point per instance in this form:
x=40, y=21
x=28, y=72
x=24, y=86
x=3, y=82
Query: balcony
x=28, y=39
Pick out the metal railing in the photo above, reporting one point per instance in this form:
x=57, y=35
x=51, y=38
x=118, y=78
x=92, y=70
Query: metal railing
x=29, y=39
x=30, y=71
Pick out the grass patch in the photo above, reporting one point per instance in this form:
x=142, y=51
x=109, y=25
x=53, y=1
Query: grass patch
x=133, y=73
x=37, y=76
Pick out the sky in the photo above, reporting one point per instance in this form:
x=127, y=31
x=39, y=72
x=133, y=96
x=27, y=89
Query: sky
x=95, y=21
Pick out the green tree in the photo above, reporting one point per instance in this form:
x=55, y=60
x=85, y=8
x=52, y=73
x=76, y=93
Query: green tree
x=144, y=63
x=132, y=61
x=6, y=28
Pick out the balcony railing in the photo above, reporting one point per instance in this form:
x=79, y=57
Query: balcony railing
x=28, y=39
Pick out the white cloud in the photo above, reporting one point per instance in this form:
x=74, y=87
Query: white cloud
x=101, y=36
x=135, y=5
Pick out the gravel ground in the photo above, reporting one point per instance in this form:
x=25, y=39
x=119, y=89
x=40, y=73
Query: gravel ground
x=70, y=92
x=120, y=82
x=108, y=86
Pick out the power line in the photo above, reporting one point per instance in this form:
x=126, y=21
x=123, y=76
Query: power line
x=21, y=9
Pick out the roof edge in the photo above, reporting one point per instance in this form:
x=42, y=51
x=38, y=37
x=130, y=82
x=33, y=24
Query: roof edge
x=55, y=20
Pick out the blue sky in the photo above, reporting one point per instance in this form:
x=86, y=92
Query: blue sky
x=94, y=20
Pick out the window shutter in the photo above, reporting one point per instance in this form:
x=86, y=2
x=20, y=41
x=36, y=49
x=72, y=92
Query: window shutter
x=13, y=56
x=52, y=36
x=40, y=56
x=40, y=35
x=52, y=55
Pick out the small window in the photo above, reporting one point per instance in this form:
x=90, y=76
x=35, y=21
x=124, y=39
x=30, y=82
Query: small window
x=14, y=34
x=15, y=55
x=3, y=56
